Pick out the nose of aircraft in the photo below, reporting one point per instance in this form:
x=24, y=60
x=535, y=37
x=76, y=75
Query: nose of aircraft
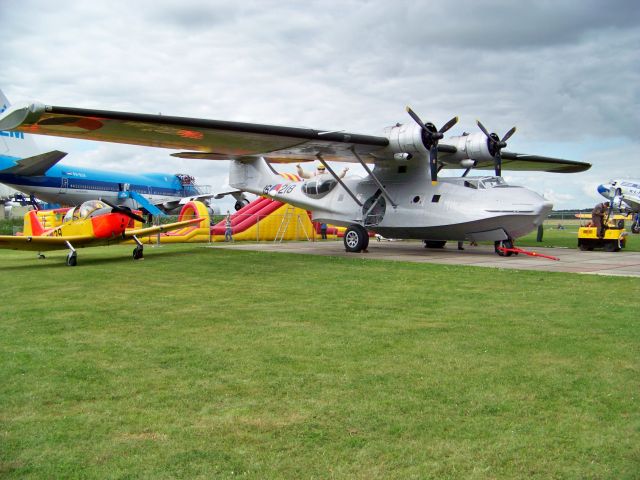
x=603, y=190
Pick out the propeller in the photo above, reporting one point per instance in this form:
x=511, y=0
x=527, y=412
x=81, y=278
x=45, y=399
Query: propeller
x=123, y=210
x=495, y=145
x=430, y=138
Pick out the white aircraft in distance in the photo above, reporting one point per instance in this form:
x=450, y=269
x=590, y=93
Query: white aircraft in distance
x=402, y=196
x=624, y=195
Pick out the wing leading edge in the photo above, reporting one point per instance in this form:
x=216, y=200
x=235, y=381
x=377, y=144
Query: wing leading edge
x=223, y=140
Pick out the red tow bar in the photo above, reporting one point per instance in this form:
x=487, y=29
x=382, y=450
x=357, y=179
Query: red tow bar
x=526, y=252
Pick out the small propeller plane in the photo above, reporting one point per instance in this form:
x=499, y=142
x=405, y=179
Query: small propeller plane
x=94, y=223
x=403, y=196
x=624, y=195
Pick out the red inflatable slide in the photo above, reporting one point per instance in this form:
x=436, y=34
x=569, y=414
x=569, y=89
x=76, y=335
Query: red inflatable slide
x=248, y=216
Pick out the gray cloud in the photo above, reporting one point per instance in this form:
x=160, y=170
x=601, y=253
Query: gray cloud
x=566, y=73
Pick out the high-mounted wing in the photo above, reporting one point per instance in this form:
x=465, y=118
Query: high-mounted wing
x=523, y=162
x=199, y=138
x=222, y=140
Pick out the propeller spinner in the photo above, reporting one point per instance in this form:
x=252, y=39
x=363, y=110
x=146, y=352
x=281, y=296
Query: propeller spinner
x=430, y=138
x=495, y=145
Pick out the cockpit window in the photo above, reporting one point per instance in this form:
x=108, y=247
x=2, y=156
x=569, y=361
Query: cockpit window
x=70, y=215
x=318, y=187
x=491, y=182
x=86, y=210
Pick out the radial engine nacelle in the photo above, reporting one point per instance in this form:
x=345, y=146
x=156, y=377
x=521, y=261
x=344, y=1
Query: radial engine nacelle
x=472, y=146
x=406, y=141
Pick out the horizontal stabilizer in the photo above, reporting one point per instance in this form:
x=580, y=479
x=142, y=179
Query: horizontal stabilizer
x=36, y=165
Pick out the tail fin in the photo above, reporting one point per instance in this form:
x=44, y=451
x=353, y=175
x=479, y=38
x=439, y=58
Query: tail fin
x=15, y=144
x=32, y=225
x=251, y=174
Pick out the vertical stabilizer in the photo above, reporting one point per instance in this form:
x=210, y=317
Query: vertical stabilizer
x=251, y=174
x=32, y=225
x=15, y=144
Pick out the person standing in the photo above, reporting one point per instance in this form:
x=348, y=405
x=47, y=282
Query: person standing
x=323, y=231
x=597, y=217
x=228, y=232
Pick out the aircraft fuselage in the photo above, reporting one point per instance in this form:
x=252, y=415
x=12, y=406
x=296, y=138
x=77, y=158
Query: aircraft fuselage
x=455, y=208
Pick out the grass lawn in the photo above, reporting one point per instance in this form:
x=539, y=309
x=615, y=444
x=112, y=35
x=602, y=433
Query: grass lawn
x=206, y=363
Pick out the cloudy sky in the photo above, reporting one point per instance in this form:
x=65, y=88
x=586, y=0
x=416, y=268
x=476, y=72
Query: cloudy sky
x=566, y=73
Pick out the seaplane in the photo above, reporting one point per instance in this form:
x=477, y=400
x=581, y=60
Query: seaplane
x=94, y=223
x=625, y=196
x=401, y=195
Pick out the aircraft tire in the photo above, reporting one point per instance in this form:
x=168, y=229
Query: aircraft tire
x=355, y=238
x=72, y=259
x=635, y=227
x=505, y=244
x=138, y=253
x=434, y=243
x=241, y=204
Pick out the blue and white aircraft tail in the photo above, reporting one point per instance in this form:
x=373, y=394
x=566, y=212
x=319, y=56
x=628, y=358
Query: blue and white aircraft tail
x=27, y=169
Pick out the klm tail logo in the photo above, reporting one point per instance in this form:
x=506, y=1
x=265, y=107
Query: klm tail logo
x=19, y=135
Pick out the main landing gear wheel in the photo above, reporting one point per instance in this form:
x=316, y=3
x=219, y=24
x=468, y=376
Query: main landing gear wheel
x=356, y=238
x=72, y=259
x=138, y=252
x=434, y=243
x=504, y=244
x=635, y=227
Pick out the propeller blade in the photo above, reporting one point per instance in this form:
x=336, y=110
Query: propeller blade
x=507, y=135
x=130, y=214
x=416, y=118
x=433, y=163
x=122, y=210
x=448, y=125
x=430, y=140
x=484, y=130
x=498, y=164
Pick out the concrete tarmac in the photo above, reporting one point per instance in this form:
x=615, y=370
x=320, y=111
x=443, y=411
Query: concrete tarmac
x=571, y=260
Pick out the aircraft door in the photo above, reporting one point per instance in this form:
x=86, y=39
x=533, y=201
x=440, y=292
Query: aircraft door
x=64, y=185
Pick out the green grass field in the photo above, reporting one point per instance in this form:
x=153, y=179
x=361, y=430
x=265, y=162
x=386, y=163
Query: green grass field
x=210, y=363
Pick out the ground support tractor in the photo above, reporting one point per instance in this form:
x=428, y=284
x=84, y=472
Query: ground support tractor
x=613, y=240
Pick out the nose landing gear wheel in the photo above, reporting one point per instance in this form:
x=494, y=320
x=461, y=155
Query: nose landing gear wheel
x=504, y=244
x=356, y=238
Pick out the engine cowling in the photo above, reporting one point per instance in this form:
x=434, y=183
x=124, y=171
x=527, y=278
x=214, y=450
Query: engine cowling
x=475, y=147
x=406, y=139
x=469, y=148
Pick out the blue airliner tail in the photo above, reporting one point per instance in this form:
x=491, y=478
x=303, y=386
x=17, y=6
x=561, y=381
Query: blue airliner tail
x=15, y=144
